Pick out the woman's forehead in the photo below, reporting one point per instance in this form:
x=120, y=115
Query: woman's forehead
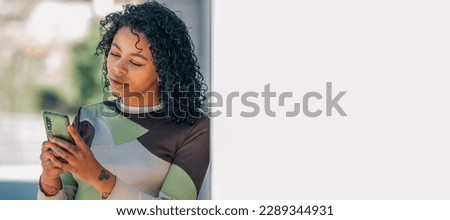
x=125, y=36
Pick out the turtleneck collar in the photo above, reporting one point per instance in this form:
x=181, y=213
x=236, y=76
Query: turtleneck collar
x=137, y=109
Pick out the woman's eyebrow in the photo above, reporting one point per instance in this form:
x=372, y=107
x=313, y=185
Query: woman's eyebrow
x=114, y=44
x=133, y=54
x=139, y=55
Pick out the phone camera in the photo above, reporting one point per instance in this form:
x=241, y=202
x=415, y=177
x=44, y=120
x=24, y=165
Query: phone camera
x=49, y=123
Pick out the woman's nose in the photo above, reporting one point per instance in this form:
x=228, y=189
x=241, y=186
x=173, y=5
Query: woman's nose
x=119, y=67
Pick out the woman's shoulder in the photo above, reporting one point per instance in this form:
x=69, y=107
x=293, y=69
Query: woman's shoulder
x=203, y=121
x=200, y=125
x=101, y=109
x=103, y=104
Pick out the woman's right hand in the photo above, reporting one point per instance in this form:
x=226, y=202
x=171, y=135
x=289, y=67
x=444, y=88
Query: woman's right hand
x=50, y=182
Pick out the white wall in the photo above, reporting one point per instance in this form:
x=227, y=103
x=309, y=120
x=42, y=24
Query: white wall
x=392, y=59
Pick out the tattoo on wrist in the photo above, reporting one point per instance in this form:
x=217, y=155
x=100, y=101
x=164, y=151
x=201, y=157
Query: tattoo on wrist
x=104, y=175
x=105, y=195
x=49, y=190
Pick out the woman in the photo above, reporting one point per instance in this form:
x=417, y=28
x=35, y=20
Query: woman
x=153, y=141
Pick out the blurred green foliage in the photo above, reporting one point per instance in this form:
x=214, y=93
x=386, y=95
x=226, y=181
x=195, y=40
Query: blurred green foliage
x=19, y=74
x=26, y=87
x=86, y=71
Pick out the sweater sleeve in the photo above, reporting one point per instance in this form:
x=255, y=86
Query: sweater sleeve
x=67, y=192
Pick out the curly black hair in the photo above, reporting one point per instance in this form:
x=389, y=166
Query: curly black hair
x=181, y=88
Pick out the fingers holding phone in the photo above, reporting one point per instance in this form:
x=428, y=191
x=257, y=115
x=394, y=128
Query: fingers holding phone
x=81, y=162
x=80, y=159
x=66, y=151
x=48, y=158
x=56, y=126
x=52, y=162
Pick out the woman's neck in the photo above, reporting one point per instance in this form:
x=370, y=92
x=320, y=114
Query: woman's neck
x=137, y=109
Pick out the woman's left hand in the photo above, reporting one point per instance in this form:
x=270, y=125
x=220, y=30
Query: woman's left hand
x=81, y=162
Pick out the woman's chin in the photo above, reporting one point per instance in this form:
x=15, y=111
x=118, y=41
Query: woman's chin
x=117, y=93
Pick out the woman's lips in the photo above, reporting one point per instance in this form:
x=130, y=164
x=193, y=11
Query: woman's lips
x=116, y=81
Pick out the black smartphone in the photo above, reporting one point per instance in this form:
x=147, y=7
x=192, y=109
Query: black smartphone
x=56, y=125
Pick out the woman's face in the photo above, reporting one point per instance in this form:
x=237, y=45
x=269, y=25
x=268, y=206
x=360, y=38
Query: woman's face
x=131, y=72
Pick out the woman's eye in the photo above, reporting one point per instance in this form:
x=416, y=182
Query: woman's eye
x=136, y=64
x=113, y=54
